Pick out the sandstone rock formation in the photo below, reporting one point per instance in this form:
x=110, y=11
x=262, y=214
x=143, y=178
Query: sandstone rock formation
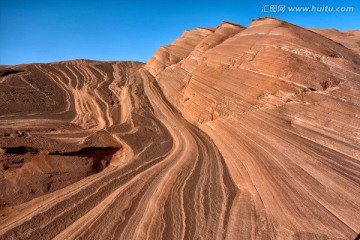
x=348, y=38
x=226, y=133
x=282, y=105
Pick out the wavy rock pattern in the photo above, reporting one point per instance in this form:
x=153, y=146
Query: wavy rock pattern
x=166, y=179
x=227, y=133
x=281, y=103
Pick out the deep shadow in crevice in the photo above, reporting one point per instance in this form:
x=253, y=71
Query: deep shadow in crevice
x=6, y=72
x=101, y=156
x=20, y=150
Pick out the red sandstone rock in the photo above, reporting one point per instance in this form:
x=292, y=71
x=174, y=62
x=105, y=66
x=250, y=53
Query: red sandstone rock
x=269, y=148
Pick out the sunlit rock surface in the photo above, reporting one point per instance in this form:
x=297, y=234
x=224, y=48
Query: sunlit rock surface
x=282, y=105
x=226, y=133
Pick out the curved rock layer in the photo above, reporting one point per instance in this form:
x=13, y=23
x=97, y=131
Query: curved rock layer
x=164, y=177
x=63, y=121
x=282, y=105
x=227, y=133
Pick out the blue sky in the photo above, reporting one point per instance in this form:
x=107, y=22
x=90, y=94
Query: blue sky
x=46, y=31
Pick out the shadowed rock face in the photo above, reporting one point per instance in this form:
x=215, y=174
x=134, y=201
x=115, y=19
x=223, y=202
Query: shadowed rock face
x=227, y=133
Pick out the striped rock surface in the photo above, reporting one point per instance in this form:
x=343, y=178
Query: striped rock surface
x=227, y=133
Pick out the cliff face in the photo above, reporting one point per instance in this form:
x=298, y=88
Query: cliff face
x=226, y=133
x=281, y=103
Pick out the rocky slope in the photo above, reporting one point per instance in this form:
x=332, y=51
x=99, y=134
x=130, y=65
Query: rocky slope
x=155, y=171
x=282, y=105
x=226, y=133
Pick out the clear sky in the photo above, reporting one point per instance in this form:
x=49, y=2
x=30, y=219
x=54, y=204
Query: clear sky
x=49, y=30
